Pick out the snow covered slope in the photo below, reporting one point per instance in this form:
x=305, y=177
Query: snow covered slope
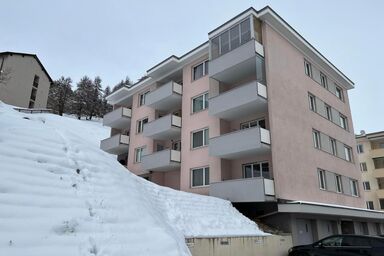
x=61, y=195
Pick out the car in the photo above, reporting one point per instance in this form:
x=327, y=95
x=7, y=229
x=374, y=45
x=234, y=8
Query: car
x=342, y=245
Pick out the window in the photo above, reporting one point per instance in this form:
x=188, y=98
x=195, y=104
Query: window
x=200, y=103
x=139, y=154
x=200, y=70
x=200, y=138
x=348, y=153
x=354, y=188
x=328, y=111
x=33, y=94
x=36, y=81
x=381, y=201
x=323, y=80
x=378, y=162
x=316, y=139
x=339, y=184
x=363, y=167
x=343, y=122
x=31, y=104
x=142, y=97
x=256, y=170
x=140, y=124
x=224, y=42
x=366, y=186
x=333, y=146
x=339, y=93
x=369, y=205
x=308, y=68
x=245, y=28
x=234, y=34
x=332, y=241
x=253, y=123
x=360, y=148
x=200, y=177
x=312, y=102
x=322, y=182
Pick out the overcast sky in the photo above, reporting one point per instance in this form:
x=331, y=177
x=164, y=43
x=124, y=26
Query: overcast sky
x=115, y=39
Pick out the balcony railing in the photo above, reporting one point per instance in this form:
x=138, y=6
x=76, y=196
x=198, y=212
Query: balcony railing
x=166, y=97
x=239, y=102
x=244, y=190
x=165, y=160
x=241, y=143
x=376, y=153
x=117, y=144
x=119, y=118
x=165, y=128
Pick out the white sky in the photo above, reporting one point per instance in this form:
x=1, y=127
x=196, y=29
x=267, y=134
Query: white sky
x=114, y=39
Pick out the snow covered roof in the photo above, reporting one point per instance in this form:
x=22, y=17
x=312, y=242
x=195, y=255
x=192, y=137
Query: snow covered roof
x=61, y=195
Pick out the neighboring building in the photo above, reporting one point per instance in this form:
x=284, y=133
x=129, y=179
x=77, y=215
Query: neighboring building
x=28, y=81
x=370, y=149
x=255, y=115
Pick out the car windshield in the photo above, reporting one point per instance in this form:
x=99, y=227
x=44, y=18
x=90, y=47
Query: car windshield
x=331, y=241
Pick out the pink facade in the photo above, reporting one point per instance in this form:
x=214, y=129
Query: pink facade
x=293, y=160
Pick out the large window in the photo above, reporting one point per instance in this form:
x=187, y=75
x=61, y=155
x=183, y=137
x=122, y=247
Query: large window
x=139, y=154
x=200, y=103
x=316, y=139
x=354, y=187
x=231, y=38
x=322, y=180
x=253, y=123
x=256, y=170
x=140, y=125
x=200, y=70
x=378, y=162
x=200, y=138
x=200, y=177
x=339, y=184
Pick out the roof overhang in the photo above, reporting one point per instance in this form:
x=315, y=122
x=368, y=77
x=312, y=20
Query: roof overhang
x=303, y=207
x=270, y=17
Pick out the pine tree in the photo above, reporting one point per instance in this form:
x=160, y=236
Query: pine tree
x=106, y=108
x=93, y=103
x=80, y=105
x=60, y=95
x=127, y=82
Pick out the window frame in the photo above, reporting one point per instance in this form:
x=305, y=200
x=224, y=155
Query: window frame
x=252, y=121
x=363, y=167
x=138, y=159
x=316, y=139
x=339, y=183
x=312, y=102
x=368, y=204
x=321, y=175
x=348, y=153
x=333, y=143
x=366, y=186
x=205, y=64
x=343, y=121
x=260, y=163
x=328, y=111
x=323, y=80
x=205, y=96
x=205, y=140
x=354, y=186
x=140, y=125
x=142, y=97
x=308, y=68
x=360, y=148
x=204, y=168
x=339, y=92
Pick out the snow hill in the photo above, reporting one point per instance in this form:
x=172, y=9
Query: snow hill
x=61, y=195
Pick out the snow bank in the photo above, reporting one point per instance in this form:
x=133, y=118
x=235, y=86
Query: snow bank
x=61, y=195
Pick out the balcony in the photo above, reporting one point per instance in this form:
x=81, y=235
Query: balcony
x=376, y=153
x=240, y=102
x=238, y=63
x=119, y=118
x=380, y=193
x=244, y=190
x=165, y=98
x=241, y=143
x=165, y=128
x=117, y=144
x=161, y=161
x=378, y=173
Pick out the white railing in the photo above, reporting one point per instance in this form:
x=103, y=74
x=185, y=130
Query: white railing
x=269, y=187
x=265, y=136
x=259, y=48
x=262, y=90
x=177, y=88
x=175, y=156
x=127, y=112
x=124, y=139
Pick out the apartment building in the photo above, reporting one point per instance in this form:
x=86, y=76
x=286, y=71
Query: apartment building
x=255, y=115
x=25, y=82
x=370, y=149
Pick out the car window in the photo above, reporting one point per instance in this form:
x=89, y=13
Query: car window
x=361, y=241
x=347, y=241
x=332, y=241
x=377, y=242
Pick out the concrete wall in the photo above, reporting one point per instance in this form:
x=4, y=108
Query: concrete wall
x=245, y=246
x=17, y=90
x=295, y=160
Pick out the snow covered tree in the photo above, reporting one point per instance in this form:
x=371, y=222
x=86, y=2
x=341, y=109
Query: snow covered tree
x=106, y=108
x=94, y=102
x=60, y=95
x=81, y=94
x=126, y=82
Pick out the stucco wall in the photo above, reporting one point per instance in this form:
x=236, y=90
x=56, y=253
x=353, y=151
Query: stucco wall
x=17, y=90
x=295, y=160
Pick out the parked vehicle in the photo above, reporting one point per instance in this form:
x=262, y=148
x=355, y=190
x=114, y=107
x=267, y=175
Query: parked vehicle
x=342, y=245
